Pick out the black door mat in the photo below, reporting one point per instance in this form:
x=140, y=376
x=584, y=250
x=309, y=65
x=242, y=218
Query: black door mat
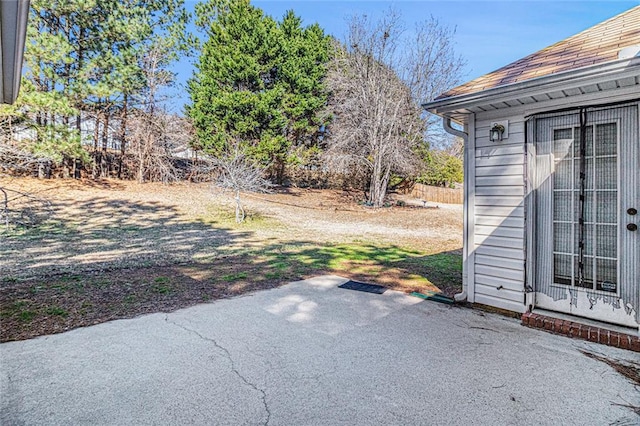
x=368, y=288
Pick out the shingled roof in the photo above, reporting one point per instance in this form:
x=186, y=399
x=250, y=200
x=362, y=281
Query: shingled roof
x=595, y=45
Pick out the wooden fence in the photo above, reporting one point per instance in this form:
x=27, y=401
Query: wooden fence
x=437, y=194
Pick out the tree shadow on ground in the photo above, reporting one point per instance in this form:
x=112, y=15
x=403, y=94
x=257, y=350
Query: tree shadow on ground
x=106, y=233
x=58, y=303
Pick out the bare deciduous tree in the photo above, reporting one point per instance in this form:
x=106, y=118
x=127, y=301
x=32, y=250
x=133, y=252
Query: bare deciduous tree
x=377, y=84
x=14, y=160
x=154, y=141
x=18, y=207
x=155, y=134
x=239, y=173
x=376, y=124
x=430, y=68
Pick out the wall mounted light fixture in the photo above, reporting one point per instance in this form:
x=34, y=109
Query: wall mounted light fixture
x=496, y=132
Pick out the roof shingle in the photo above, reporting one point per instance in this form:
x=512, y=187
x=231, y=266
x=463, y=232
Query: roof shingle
x=598, y=44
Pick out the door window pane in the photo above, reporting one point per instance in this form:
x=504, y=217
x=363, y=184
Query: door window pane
x=562, y=269
x=606, y=211
x=562, y=143
x=562, y=237
x=563, y=179
x=607, y=273
x=606, y=173
x=606, y=139
x=606, y=240
x=562, y=205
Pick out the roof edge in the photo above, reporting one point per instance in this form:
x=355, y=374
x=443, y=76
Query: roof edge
x=495, y=93
x=13, y=31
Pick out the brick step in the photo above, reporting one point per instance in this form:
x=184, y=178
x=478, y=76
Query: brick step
x=578, y=330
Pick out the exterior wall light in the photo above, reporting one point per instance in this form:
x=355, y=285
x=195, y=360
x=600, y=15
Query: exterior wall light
x=496, y=132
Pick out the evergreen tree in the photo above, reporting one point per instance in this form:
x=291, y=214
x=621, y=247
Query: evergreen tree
x=86, y=58
x=258, y=82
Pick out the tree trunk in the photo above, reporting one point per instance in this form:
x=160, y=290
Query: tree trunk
x=379, y=182
x=77, y=168
x=44, y=170
x=280, y=169
x=123, y=132
x=239, y=209
x=80, y=44
x=66, y=168
x=96, y=131
x=104, y=166
x=5, y=208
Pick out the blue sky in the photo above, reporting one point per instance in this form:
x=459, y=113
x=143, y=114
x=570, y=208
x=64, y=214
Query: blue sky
x=489, y=34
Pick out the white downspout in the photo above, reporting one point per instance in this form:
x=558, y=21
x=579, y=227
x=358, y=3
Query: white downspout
x=446, y=123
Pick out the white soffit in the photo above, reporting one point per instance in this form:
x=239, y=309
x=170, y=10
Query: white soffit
x=584, y=83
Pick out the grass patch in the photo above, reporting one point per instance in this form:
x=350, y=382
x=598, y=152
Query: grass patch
x=70, y=278
x=235, y=276
x=273, y=275
x=18, y=309
x=225, y=218
x=27, y=316
x=366, y=252
x=60, y=286
x=100, y=283
x=56, y=310
x=36, y=289
x=161, y=289
x=37, y=231
x=130, y=298
x=19, y=304
x=397, y=267
x=446, y=262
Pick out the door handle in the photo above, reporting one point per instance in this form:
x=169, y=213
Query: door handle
x=632, y=227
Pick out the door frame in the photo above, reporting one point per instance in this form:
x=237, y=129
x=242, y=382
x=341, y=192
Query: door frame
x=604, y=308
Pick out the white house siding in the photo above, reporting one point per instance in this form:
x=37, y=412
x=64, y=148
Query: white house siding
x=496, y=266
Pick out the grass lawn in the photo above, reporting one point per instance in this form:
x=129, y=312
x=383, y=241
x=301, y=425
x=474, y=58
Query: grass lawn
x=107, y=254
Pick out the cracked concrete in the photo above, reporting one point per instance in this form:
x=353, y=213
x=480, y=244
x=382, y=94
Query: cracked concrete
x=311, y=353
x=233, y=367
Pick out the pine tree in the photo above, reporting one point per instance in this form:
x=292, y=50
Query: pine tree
x=86, y=58
x=258, y=83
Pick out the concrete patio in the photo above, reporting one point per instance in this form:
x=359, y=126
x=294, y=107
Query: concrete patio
x=310, y=353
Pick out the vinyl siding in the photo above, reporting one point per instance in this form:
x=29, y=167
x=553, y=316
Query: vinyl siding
x=498, y=238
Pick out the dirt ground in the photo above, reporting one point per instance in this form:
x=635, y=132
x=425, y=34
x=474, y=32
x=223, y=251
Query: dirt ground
x=99, y=250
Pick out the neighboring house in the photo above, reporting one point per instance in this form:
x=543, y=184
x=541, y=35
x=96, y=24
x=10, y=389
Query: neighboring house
x=112, y=142
x=552, y=177
x=13, y=32
x=87, y=131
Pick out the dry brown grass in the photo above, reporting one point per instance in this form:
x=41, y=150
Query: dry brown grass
x=114, y=249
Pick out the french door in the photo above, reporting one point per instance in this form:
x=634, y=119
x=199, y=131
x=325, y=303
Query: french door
x=587, y=254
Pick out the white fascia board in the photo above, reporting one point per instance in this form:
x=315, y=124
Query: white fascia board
x=549, y=83
x=13, y=33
